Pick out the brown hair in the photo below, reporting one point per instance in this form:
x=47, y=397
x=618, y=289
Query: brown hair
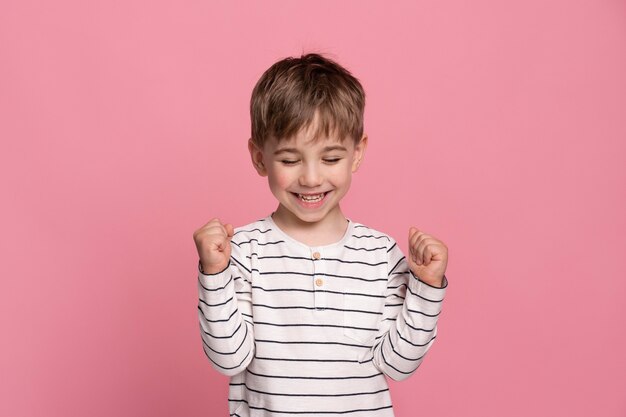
x=291, y=92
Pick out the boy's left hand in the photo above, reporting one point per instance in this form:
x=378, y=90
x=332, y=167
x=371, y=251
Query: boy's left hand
x=428, y=257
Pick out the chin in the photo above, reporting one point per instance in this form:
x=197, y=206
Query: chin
x=310, y=217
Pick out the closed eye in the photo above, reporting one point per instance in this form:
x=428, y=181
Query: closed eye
x=288, y=162
x=332, y=160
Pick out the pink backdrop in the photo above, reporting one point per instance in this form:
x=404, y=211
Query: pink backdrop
x=499, y=127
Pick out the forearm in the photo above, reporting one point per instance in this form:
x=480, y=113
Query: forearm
x=401, y=350
x=227, y=338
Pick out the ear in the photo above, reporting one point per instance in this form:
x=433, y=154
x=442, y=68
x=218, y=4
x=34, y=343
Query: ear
x=359, y=153
x=256, y=154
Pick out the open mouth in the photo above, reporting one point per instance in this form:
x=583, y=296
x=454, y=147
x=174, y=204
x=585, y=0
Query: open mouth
x=311, y=198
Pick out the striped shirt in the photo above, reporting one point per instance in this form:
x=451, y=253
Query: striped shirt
x=312, y=331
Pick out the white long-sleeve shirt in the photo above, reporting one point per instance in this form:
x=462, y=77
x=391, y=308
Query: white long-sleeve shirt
x=312, y=331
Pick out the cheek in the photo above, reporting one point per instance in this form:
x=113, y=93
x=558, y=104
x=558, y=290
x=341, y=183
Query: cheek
x=279, y=179
x=344, y=177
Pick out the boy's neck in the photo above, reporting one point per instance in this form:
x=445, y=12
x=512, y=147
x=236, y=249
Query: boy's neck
x=325, y=232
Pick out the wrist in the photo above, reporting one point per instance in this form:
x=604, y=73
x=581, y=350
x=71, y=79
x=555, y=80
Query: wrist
x=438, y=283
x=211, y=269
x=435, y=283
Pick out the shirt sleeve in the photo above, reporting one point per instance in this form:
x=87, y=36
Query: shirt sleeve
x=408, y=327
x=225, y=314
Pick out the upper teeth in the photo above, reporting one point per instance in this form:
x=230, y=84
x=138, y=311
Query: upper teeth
x=311, y=197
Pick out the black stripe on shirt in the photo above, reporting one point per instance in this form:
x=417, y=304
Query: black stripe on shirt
x=261, y=244
x=315, y=377
x=397, y=296
x=314, y=325
x=226, y=367
x=215, y=289
x=422, y=313
x=313, y=260
x=327, y=291
x=404, y=357
x=419, y=329
x=229, y=353
x=319, y=274
x=414, y=344
x=215, y=305
x=311, y=412
x=353, y=262
x=393, y=305
x=423, y=298
x=242, y=279
x=310, y=395
x=396, y=265
x=372, y=236
x=305, y=360
x=393, y=367
x=365, y=249
x=242, y=265
x=282, y=342
x=222, y=337
x=395, y=287
x=278, y=257
x=252, y=230
x=315, y=308
x=220, y=320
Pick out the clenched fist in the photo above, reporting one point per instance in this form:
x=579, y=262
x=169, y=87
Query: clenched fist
x=428, y=257
x=213, y=244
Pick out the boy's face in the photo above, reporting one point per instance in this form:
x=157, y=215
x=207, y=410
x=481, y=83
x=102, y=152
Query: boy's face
x=308, y=178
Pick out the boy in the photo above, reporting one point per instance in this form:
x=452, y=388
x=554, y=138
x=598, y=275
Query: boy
x=305, y=309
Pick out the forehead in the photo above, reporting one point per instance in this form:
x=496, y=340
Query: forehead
x=303, y=145
x=308, y=139
x=319, y=132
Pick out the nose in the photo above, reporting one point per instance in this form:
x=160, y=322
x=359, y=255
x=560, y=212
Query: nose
x=311, y=176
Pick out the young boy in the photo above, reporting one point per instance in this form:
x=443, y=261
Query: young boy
x=305, y=309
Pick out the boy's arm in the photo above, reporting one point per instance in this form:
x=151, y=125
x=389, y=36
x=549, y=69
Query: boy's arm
x=225, y=314
x=409, y=324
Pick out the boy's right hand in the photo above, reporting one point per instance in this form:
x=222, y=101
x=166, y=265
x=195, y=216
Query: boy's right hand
x=213, y=244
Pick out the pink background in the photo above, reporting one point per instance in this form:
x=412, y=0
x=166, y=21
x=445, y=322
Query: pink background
x=499, y=127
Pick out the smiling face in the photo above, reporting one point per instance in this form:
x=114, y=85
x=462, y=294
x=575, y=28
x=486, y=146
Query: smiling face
x=308, y=177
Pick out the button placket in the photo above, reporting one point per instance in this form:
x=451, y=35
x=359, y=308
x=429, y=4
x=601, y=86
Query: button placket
x=319, y=283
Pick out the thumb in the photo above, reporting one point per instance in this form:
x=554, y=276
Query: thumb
x=229, y=229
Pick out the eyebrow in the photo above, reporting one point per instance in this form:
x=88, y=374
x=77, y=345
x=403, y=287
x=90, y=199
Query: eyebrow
x=326, y=149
